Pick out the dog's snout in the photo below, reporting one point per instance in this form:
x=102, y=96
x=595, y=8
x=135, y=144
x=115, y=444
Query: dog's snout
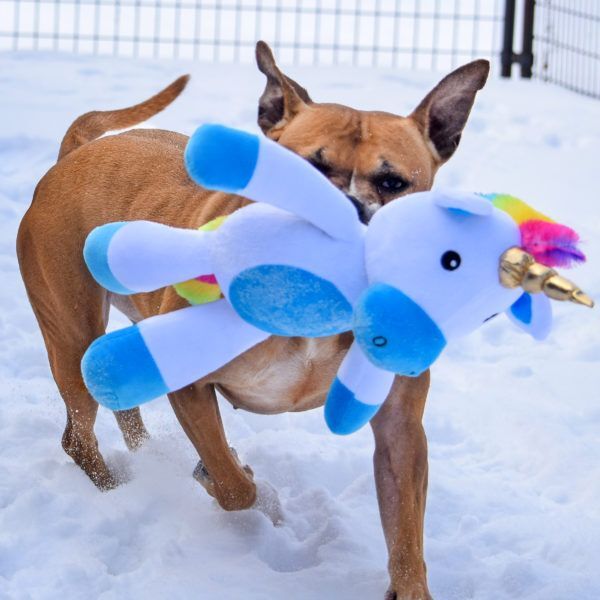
x=363, y=214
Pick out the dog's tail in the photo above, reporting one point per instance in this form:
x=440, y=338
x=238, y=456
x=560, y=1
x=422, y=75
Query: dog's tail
x=92, y=125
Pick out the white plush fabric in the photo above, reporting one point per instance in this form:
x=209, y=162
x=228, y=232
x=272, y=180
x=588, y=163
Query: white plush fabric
x=287, y=181
x=261, y=234
x=145, y=256
x=190, y=343
x=369, y=384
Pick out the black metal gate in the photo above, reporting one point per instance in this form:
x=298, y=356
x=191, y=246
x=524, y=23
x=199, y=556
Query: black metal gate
x=560, y=42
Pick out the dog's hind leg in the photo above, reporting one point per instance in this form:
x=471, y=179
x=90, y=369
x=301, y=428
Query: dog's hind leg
x=66, y=342
x=71, y=311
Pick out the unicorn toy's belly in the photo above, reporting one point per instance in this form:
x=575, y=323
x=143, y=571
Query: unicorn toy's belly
x=284, y=275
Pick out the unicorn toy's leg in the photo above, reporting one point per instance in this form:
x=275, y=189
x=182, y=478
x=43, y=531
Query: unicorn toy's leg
x=142, y=256
x=161, y=354
x=357, y=392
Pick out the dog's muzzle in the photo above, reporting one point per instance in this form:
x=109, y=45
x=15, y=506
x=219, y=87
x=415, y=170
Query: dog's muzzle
x=363, y=214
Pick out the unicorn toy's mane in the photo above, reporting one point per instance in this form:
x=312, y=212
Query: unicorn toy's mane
x=550, y=243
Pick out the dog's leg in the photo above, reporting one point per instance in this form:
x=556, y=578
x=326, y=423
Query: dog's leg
x=229, y=482
x=132, y=427
x=71, y=311
x=400, y=463
x=66, y=342
x=79, y=440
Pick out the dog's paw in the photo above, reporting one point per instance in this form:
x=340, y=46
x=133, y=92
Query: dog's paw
x=267, y=502
x=417, y=594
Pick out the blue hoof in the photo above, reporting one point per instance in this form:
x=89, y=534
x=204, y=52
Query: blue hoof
x=95, y=254
x=344, y=413
x=119, y=370
x=221, y=158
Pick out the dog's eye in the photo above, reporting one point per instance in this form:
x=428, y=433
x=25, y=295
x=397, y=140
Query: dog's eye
x=390, y=184
x=450, y=260
x=317, y=160
x=320, y=166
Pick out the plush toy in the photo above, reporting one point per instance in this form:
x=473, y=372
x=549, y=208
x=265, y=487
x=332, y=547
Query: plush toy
x=427, y=269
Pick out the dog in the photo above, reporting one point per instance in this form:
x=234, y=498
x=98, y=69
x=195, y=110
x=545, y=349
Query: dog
x=373, y=157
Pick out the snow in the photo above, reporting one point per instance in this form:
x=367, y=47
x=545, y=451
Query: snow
x=512, y=424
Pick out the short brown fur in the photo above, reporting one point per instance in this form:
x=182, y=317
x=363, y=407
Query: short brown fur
x=372, y=156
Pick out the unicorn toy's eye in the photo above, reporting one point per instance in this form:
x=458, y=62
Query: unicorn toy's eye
x=450, y=260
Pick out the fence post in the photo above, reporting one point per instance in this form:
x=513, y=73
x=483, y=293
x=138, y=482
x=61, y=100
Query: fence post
x=507, y=55
x=526, y=58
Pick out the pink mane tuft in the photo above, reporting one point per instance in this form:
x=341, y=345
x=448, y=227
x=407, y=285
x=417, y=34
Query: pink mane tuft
x=551, y=244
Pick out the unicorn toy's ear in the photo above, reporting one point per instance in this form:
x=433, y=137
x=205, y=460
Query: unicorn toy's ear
x=469, y=203
x=532, y=313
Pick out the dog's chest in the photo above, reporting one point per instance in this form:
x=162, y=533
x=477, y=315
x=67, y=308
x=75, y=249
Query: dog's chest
x=283, y=375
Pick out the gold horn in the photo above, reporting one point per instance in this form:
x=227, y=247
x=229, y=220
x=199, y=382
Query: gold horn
x=518, y=268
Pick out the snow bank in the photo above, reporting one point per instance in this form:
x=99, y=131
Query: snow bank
x=512, y=424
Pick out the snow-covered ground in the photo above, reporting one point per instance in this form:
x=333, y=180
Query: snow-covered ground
x=513, y=425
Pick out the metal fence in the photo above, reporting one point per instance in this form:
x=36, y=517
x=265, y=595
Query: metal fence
x=567, y=44
x=559, y=39
x=426, y=34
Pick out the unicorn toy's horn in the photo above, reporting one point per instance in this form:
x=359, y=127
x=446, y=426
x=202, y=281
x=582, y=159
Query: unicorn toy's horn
x=519, y=268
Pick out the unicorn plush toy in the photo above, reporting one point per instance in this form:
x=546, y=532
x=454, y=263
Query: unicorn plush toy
x=427, y=269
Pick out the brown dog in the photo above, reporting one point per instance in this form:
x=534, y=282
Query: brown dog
x=373, y=157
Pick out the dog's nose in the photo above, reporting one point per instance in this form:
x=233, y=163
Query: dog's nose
x=363, y=215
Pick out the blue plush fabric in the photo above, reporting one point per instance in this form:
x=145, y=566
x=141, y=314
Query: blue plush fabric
x=522, y=309
x=344, y=413
x=289, y=301
x=395, y=332
x=95, y=254
x=119, y=370
x=221, y=158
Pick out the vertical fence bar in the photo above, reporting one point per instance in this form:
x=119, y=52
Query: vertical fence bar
x=56, y=25
x=116, y=27
x=415, y=39
x=356, y=35
x=507, y=54
x=76, y=22
x=16, y=28
x=395, y=41
x=436, y=35
x=36, y=25
x=317, y=33
x=297, y=31
x=375, y=44
x=136, y=28
x=454, y=32
x=238, y=31
x=475, y=37
x=527, y=49
x=177, y=29
x=336, y=32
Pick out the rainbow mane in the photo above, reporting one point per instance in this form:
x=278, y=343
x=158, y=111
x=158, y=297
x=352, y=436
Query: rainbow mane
x=550, y=243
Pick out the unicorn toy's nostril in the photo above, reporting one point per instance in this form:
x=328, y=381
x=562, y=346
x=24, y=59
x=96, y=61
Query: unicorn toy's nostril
x=379, y=341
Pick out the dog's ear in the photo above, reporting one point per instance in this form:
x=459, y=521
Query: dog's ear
x=282, y=99
x=443, y=113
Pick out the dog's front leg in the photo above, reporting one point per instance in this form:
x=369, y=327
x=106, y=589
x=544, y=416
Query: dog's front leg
x=197, y=410
x=400, y=463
